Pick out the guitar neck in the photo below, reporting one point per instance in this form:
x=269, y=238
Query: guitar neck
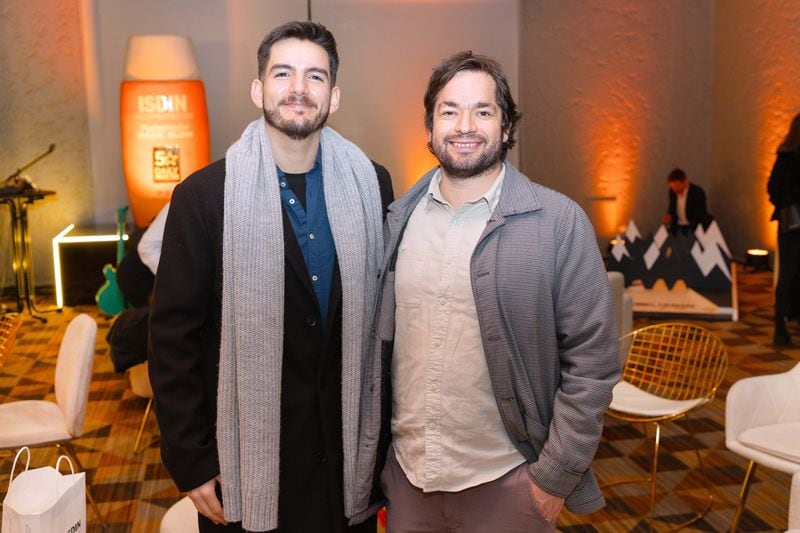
x=121, y=218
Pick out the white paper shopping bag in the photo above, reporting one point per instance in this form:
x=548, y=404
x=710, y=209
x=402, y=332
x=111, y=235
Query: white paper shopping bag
x=43, y=500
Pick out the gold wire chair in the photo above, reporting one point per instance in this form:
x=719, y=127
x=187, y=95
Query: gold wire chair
x=672, y=369
x=9, y=324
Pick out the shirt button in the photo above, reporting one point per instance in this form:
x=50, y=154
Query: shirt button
x=311, y=236
x=437, y=343
x=311, y=321
x=283, y=184
x=314, y=277
x=291, y=201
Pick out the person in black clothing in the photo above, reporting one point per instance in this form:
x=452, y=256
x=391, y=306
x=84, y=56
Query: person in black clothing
x=784, y=190
x=127, y=336
x=687, y=204
x=262, y=299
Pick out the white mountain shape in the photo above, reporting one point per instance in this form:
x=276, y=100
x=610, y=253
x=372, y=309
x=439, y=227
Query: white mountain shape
x=632, y=232
x=711, y=236
x=706, y=250
x=619, y=250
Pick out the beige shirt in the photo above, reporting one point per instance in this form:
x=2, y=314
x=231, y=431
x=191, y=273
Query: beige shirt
x=446, y=427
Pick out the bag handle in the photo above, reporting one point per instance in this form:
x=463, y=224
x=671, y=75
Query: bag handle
x=69, y=462
x=14, y=465
x=58, y=468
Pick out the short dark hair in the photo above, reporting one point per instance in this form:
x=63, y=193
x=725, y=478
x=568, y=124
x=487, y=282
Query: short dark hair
x=676, y=175
x=467, y=61
x=304, y=31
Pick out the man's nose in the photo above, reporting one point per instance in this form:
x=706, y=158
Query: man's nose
x=465, y=123
x=299, y=85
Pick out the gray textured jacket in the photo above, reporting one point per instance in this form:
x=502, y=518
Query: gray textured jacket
x=547, y=324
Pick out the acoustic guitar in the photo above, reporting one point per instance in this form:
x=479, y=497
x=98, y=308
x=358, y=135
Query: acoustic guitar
x=109, y=298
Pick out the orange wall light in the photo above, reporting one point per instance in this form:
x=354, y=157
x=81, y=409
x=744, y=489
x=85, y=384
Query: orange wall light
x=614, y=158
x=164, y=120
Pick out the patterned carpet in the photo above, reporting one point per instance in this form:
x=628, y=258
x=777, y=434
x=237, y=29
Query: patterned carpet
x=134, y=491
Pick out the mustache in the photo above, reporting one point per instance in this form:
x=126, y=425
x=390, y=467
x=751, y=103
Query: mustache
x=298, y=99
x=465, y=138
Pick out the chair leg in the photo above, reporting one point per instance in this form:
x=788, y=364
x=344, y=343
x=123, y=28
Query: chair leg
x=71, y=451
x=137, y=448
x=748, y=478
x=700, y=465
x=656, y=446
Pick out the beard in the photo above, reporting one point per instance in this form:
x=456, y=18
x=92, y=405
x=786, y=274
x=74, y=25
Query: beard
x=294, y=129
x=466, y=167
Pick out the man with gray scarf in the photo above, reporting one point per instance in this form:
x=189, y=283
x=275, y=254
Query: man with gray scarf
x=263, y=298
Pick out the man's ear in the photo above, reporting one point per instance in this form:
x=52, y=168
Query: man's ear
x=257, y=93
x=335, y=95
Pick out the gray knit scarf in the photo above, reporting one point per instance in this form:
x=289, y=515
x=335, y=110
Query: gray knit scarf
x=248, y=406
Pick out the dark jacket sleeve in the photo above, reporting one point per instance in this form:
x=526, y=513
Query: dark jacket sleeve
x=697, y=210
x=184, y=329
x=385, y=184
x=784, y=180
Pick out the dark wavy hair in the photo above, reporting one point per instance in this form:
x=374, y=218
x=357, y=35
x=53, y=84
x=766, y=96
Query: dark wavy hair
x=467, y=61
x=304, y=31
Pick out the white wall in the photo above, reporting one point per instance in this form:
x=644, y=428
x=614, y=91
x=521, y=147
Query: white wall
x=388, y=49
x=42, y=101
x=756, y=80
x=615, y=95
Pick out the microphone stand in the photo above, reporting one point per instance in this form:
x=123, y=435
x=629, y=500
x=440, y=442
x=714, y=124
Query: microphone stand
x=19, y=235
x=35, y=160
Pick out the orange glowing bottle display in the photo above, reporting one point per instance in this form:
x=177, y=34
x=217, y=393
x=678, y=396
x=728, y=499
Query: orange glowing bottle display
x=164, y=121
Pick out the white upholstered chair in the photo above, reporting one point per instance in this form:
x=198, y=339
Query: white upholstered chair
x=762, y=424
x=37, y=423
x=180, y=518
x=794, y=504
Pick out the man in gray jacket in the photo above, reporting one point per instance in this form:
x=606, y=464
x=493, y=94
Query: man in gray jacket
x=494, y=346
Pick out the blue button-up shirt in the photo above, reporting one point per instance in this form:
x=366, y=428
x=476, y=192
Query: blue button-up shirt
x=313, y=232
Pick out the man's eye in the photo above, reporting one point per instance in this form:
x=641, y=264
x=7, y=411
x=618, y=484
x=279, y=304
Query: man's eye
x=448, y=113
x=316, y=77
x=281, y=74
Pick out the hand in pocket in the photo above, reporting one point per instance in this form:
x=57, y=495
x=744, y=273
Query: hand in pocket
x=546, y=504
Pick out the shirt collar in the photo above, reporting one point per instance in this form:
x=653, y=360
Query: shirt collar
x=491, y=197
